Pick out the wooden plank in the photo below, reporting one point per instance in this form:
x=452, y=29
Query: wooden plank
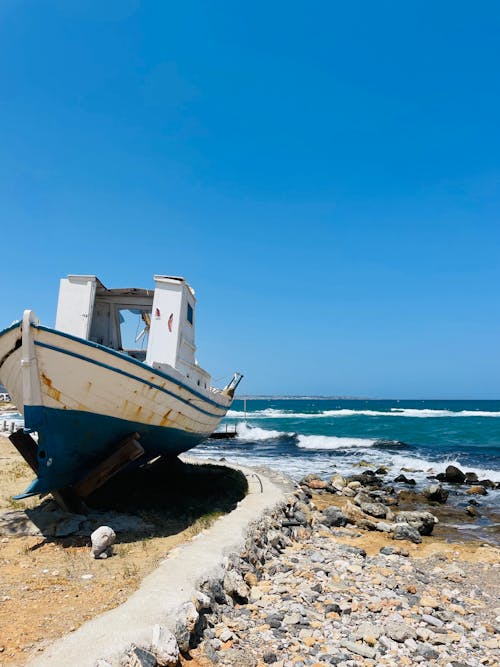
x=27, y=447
x=69, y=501
x=127, y=451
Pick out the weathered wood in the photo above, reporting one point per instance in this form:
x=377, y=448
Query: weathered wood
x=27, y=447
x=127, y=451
x=69, y=501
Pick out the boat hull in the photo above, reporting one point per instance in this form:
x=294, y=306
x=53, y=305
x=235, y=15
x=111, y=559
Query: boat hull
x=82, y=399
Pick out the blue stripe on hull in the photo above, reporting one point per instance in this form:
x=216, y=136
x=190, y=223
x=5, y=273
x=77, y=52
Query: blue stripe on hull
x=74, y=442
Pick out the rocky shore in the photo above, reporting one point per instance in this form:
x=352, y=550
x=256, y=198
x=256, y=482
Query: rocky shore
x=305, y=592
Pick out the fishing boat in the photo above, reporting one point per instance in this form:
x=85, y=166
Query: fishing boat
x=118, y=362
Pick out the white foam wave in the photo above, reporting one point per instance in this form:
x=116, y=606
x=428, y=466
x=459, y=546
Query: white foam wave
x=246, y=432
x=332, y=442
x=411, y=412
x=271, y=413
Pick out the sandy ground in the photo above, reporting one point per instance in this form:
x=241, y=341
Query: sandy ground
x=51, y=586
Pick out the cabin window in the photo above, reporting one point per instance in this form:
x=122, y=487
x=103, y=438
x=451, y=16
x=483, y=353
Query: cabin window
x=134, y=328
x=190, y=314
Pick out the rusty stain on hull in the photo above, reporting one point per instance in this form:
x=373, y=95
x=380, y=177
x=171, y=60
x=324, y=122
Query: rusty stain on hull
x=164, y=420
x=51, y=391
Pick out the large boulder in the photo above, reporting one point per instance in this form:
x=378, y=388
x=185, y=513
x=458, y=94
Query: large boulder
x=333, y=517
x=454, y=475
x=404, y=531
x=424, y=522
x=356, y=515
x=374, y=509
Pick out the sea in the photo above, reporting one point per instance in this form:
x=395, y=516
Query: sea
x=298, y=436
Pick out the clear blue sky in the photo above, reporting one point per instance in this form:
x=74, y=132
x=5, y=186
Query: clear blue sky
x=325, y=174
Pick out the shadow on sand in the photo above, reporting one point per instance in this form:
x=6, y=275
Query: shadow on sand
x=160, y=499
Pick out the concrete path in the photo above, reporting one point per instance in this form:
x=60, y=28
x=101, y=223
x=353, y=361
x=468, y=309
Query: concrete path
x=172, y=583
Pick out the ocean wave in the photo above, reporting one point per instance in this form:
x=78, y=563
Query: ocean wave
x=246, y=432
x=420, y=413
x=332, y=442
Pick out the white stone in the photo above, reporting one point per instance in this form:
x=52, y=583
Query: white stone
x=164, y=646
x=102, y=539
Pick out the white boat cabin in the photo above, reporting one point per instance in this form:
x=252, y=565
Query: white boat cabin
x=152, y=326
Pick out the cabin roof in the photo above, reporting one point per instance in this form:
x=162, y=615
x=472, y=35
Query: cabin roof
x=101, y=289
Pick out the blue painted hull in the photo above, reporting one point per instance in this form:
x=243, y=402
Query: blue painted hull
x=74, y=442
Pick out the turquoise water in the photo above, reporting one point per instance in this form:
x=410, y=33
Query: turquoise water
x=299, y=436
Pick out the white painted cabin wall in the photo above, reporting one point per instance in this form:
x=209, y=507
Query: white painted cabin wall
x=163, y=344
x=75, y=305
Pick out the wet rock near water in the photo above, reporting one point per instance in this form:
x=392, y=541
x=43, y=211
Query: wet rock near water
x=436, y=493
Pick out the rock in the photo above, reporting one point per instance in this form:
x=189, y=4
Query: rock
x=269, y=657
x=187, y=618
x=368, y=632
x=338, y=482
x=235, y=586
x=423, y=521
x=102, y=539
x=358, y=649
x=164, y=646
x=477, y=491
x=201, y=601
x=471, y=511
x=355, y=515
x=333, y=516
x=454, y=475
x=432, y=620
x=225, y=635
x=402, y=479
x=427, y=652
x=139, y=657
x=428, y=601
x=362, y=497
x=399, y=632
x=317, y=484
x=383, y=527
x=403, y=531
x=374, y=509
x=471, y=478
x=436, y=493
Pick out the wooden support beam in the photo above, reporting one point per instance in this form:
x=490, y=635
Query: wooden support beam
x=27, y=447
x=69, y=501
x=127, y=451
